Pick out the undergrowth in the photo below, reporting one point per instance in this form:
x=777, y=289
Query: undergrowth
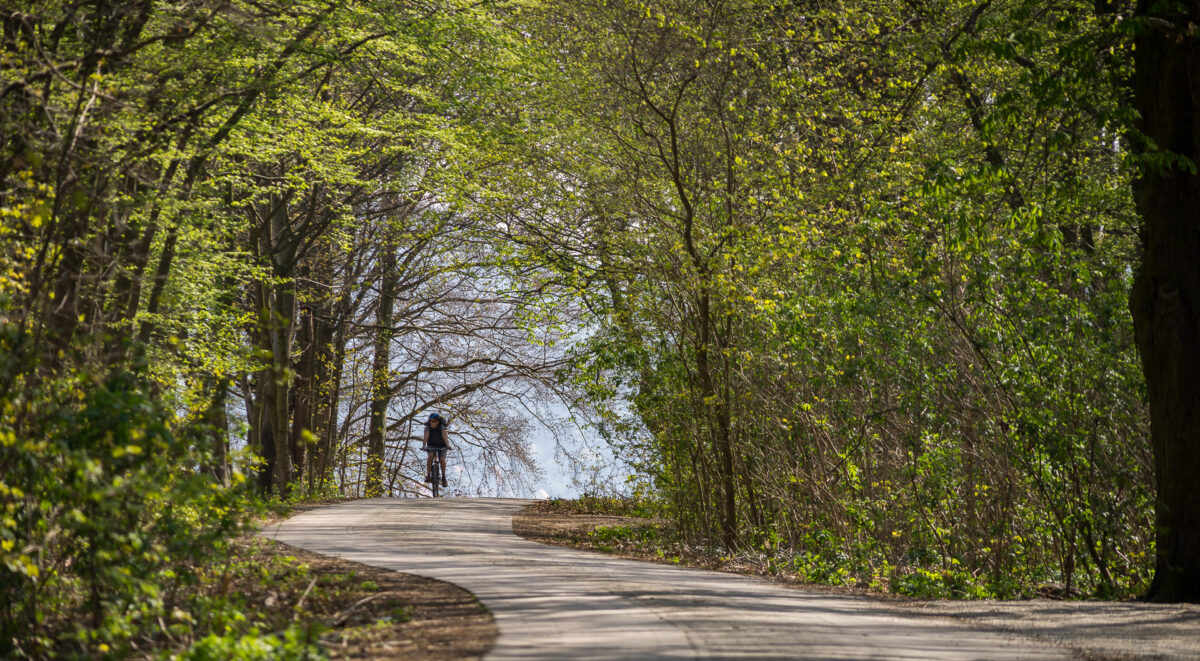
x=821, y=558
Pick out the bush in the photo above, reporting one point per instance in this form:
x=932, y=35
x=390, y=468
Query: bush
x=105, y=515
x=296, y=644
x=636, y=506
x=944, y=584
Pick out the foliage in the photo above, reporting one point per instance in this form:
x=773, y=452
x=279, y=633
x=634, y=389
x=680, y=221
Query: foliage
x=106, y=516
x=857, y=278
x=641, y=507
x=143, y=144
x=845, y=282
x=295, y=645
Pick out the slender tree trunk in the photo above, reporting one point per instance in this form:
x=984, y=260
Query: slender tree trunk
x=718, y=425
x=381, y=369
x=1165, y=301
x=330, y=401
x=261, y=436
x=281, y=314
x=61, y=316
x=161, y=275
x=217, y=422
x=303, y=393
x=257, y=389
x=320, y=390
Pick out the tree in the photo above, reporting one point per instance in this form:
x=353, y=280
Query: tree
x=914, y=225
x=1165, y=301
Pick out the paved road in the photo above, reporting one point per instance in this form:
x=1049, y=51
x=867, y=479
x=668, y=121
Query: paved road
x=558, y=603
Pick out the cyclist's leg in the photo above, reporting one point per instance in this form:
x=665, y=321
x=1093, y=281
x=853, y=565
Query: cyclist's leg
x=442, y=460
x=429, y=465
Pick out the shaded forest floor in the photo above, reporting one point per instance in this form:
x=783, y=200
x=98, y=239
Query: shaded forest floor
x=364, y=612
x=1092, y=630
x=258, y=598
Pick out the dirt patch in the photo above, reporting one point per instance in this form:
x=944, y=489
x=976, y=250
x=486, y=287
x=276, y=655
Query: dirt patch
x=540, y=523
x=368, y=612
x=375, y=613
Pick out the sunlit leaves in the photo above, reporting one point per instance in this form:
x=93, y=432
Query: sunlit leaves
x=902, y=229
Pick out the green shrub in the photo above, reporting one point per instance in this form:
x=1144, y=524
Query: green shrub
x=640, y=535
x=296, y=644
x=944, y=584
x=105, y=515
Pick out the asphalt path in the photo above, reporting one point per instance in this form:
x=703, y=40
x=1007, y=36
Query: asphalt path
x=557, y=603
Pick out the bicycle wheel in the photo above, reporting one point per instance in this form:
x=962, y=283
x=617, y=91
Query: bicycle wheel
x=435, y=473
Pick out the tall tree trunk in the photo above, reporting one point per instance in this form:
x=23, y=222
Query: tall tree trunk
x=280, y=325
x=381, y=369
x=303, y=393
x=1165, y=301
x=329, y=400
x=275, y=305
x=256, y=390
x=317, y=368
x=217, y=422
x=717, y=423
x=259, y=437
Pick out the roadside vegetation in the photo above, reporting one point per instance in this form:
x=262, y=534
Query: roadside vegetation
x=637, y=529
x=246, y=597
x=859, y=279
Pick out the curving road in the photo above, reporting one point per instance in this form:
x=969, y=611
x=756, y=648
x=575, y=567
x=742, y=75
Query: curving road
x=559, y=603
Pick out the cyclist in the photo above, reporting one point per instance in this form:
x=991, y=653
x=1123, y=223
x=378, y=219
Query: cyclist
x=436, y=443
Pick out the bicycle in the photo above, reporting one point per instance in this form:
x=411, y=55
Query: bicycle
x=435, y=469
